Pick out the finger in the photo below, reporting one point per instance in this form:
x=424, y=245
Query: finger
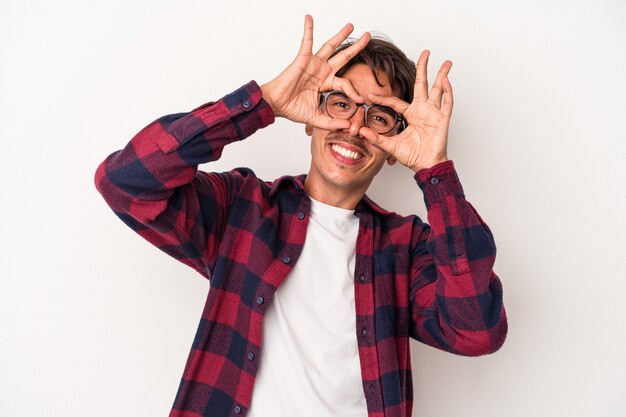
x=437, y=88
x=380, y=141
x=343, y=57
x=329, y=47
x=306, y=46
x=448, y=99
x=398, y=105
x=328, y=123
x=420, y=92
x=346, y=86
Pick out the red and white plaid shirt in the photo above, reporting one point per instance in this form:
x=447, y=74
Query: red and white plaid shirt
x=431, y=282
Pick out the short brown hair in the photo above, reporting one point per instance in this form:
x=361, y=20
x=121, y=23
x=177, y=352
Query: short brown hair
x=381, y=54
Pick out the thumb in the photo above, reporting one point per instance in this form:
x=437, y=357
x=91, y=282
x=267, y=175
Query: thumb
x=328, y=123
x=383, y=142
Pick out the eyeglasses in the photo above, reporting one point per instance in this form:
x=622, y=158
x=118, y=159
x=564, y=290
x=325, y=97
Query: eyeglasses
x=381, y=119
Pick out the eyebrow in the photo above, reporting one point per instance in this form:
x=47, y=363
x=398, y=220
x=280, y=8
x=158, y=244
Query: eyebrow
x=344, y=95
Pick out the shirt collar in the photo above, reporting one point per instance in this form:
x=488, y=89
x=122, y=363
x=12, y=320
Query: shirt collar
x=366, y=203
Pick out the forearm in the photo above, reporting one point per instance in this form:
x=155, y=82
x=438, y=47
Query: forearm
x=165, y=154
x=154, y=186
x=461, y=310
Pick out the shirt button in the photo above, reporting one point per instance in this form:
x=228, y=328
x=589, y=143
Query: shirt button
x=259, y=300
x=372, y=389
x=362, y=277
x=434, y=180
x=364, y=331
x=251, y=356
x=301, y=215
x=237, y=409
x=246, y=104
x=287, y=259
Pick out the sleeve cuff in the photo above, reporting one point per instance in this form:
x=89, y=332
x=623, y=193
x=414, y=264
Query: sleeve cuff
x=244, y=107
x=248, y=101
x=439, y=181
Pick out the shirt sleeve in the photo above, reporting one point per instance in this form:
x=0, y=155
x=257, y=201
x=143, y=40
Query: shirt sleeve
x=456, y=297
x=154, y=185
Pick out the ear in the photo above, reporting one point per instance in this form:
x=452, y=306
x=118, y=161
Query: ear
x=391, y=160
x=308, y=130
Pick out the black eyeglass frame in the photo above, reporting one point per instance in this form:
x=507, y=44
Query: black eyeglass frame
x=399, y=119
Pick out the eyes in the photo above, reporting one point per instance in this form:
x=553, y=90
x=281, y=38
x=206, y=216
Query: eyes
x=379, y=118
x=342, y=104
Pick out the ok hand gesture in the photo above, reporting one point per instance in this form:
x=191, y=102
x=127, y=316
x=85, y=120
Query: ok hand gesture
x=295, y=93
x=424, y=142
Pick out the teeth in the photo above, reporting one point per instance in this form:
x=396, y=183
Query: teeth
x=345, y=152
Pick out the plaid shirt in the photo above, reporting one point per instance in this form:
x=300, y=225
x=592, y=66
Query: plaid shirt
x=433, y=283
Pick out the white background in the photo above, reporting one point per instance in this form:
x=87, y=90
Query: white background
x=96, y=322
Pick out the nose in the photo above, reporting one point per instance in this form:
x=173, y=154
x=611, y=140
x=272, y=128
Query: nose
x=357, y=121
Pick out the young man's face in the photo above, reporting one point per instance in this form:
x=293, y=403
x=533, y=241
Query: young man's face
x=343, y=164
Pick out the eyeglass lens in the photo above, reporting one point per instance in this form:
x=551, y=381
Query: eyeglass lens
x=380, y=119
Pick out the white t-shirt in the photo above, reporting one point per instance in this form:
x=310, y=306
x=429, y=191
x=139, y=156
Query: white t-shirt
x=309, y=362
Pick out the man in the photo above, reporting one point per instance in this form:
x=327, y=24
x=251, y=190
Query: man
x=337, y=284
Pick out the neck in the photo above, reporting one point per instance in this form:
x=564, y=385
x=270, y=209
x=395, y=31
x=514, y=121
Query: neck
x=333, y=196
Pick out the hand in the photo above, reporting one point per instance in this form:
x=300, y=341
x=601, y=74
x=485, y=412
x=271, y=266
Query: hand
x=424, y=142
x=295, y=93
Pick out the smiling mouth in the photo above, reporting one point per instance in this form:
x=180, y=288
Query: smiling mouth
x=346, y=153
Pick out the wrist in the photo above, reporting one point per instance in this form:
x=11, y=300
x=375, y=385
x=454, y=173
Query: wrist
x=266, y=95
x=416, y=168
